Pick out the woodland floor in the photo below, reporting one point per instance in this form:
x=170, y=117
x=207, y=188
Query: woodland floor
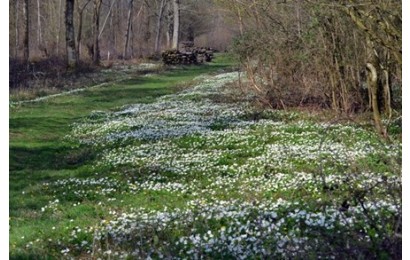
x=179, y=164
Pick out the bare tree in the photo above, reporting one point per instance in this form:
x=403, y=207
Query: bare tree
x=106, y=19
x=39, y=36
x=70, y=38
x=16, y=44
x=127, y=34
x=159, y=22
x=381, y=25
x=26, y=47
x=175, y=34
x=59, y=28
x=96, y=30
x=169, y=26
x=80, y=10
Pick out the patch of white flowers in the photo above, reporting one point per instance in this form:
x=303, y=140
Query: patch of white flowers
x=81, y=188
x=233, y=170
x=171, y=116
x=232, y=228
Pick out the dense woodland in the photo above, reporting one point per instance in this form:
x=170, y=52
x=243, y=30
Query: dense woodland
x=339, y=55
x=342, y=55
x=111, y=29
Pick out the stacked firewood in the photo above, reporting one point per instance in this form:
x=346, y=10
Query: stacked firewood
x=203, y=54
x=175, y=57
x=187, y=56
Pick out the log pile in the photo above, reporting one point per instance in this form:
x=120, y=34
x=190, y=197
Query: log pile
x=175, y=57
x=188, y=56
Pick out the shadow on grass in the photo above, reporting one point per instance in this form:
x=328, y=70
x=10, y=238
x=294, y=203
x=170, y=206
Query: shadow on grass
x=126, y=95
x=48, y=158
x=43, y=123
x=32, y=256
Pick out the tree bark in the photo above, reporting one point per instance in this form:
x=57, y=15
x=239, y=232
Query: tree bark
x=80, y=11
x=168, y=38
x=175, y=34
x=159, y=21
x=70, y=38
x=26, y=54
x=373, y=85
x=59, y=28
x=372, y=79
x=112, y=31
x=106, y=19
x=117, y=24
x=127, y=34
x=358, y=18
x=240, y=20
x=387, y=93
x=96, y=30
x=17, y=30
x=39, y=36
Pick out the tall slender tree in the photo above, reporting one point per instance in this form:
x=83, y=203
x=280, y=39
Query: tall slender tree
x=175, y=35
x=80, y=11
x=16, y=43
x=70, y=38
x=59, y=27
x=96, y=31
x=127, y=34
x=159, y=22
x=26, y=40
x=39, y=33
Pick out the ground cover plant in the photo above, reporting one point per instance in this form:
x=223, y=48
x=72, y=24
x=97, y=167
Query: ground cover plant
x=141, y=171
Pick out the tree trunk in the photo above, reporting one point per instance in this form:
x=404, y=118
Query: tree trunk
x=39, y=36
x=127, y=34
x=80, y=11
x=112, y=32
x=175, y=34
x=59, y=29
x=26, y=54
x=96, y=30
x=70, y=38
x=240, y=20
x=168, y=38
x=373, y=86
x=159, y=21
x=387, y=96
x=169, y=27
x=132, y=41
x=387, y=93
x=106, y=19
x=117, y=24
x=17, y=30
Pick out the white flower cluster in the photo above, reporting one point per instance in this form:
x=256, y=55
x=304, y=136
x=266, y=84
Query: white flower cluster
x=233, y=229
x=81, y=188
x=243, y=159
x=170, y=116
x=52, y=205
x=206, y=153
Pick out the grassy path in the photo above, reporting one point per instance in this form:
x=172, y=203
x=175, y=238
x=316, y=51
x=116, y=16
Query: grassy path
x=138, y=170
x=38, y=152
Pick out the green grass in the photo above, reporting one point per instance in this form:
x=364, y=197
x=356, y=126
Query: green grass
x=66, y=193
x=39, y=153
